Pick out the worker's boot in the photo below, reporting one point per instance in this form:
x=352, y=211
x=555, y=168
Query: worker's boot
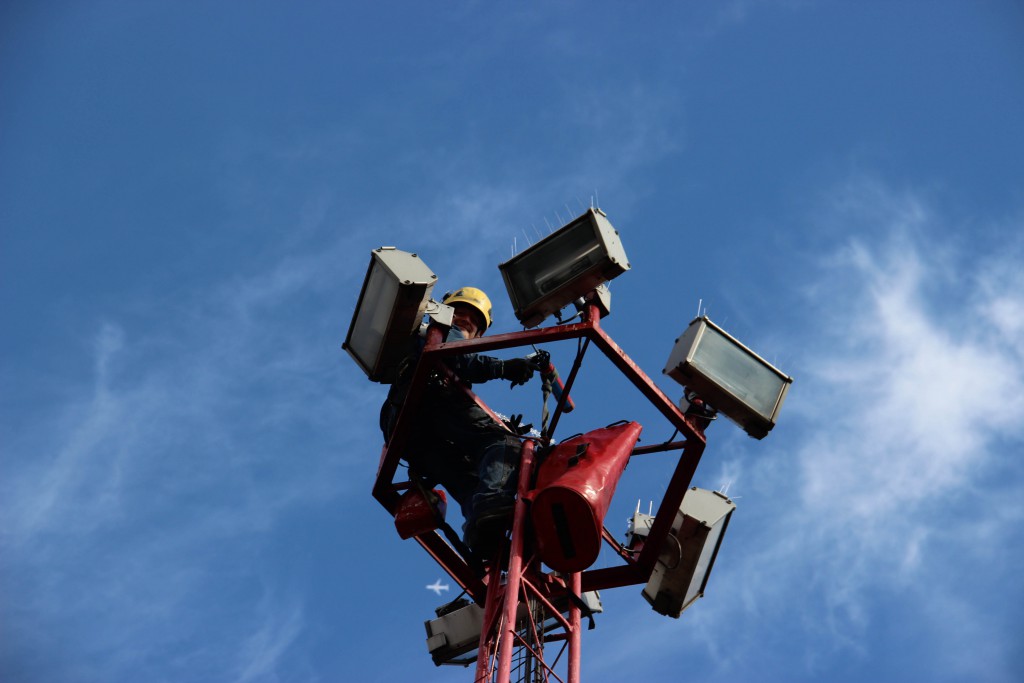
x=486, y=530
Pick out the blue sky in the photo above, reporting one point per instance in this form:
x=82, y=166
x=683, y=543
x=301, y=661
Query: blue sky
x=188, y=197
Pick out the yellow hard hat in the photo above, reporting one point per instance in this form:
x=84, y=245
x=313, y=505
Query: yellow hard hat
x=475, y=298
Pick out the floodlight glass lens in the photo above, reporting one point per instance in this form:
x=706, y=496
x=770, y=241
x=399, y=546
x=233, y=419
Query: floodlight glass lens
x=738, y=372
x=374, y=314
x=568, y=254
x=703, y=566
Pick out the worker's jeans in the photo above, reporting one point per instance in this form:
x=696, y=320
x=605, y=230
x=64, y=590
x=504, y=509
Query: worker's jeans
x=458, y=445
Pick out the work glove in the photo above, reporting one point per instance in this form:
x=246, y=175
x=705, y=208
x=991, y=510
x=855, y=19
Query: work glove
x=515, y=423
x=517, y=370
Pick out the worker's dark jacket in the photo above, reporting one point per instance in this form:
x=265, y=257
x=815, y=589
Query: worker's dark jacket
x=469, y=367
x=453, y=441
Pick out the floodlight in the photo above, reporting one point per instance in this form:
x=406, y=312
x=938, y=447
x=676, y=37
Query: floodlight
x=455, y=633
x=563, y=266
x=454, y=636
x=681, y=573
x=391, y=305
x=728, y=376
x=639, y=527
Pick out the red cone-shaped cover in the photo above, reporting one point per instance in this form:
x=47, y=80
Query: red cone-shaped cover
x=415, y=516
x=575, y=485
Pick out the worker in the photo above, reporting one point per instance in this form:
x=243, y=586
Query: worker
x=454, y=441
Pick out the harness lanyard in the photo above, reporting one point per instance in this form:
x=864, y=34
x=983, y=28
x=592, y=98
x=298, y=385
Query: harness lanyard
x=546, y=390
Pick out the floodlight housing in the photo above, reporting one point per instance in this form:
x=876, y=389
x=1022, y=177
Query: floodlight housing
x=563, y=266
x=681, y=573
x=638, y=528
x=454, y=636
x=391, y=305
x=728, y=376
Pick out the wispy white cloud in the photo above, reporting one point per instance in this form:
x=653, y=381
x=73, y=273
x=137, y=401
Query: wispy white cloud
x=88, y=430
x=888, y=494
x=908, y=402
x=139, y=505
x=280, y=624
x=935, y=391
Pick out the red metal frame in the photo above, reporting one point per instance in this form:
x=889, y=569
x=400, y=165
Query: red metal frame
x=522, y=573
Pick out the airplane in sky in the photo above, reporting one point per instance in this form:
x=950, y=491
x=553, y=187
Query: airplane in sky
x=437, y=587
